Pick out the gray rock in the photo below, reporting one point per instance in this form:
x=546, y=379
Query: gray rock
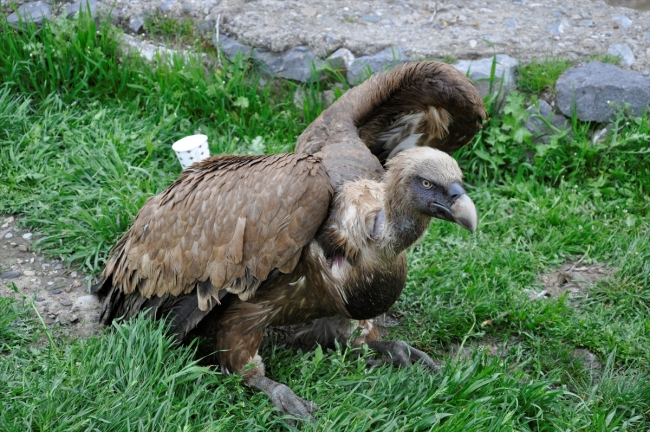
x=511, y=23
x=384, y=59
x=341, y=59
x=231, y=47
x=556, y=28
x=622, y=51
x=34, y=12
x=646, y=37
x=55, y=291
x=598, y=89
x=40, y=299
x=479, y=72
x=543, y=122
x=136, y=24
x=370, y=18
x=166, y=6
x=301, y=96
x=65, y=302
x=27, y=236
x=10, y=274
x=299, y=63
x=8, y=235
x=86, y=303
x=82, y=6
x=622, y=21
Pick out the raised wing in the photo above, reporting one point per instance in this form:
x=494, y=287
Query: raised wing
x=224, y=225
x=416, y=104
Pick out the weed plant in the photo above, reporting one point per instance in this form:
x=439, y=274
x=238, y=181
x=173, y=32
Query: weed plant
x=85, y=143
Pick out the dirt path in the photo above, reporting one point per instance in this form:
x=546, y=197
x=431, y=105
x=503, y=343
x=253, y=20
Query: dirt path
x=60, y=294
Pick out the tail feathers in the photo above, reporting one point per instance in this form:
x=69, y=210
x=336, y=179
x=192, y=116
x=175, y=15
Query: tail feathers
x=182, y=311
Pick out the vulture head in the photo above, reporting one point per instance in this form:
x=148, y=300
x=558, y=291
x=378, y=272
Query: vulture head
x=429, y=182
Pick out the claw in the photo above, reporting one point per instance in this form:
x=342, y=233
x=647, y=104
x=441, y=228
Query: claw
x=401, y=354
x=284, y=398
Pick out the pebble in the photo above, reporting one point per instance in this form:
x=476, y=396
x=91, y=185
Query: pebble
x=511, y=23
x=73, y=274
x=29, y=273
x=55, y=291
x=472, y=43
x=624, y=52
x=10, y=275
x=65, y=302
x=27, y=236
x=8, y=235
x=50, y=283
x=40, y=299
x=623, y=21
x=23, y=248
x=58, y=267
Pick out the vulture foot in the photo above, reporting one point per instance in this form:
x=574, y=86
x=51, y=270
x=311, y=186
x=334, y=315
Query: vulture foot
x=284, y=398
x=401, y=354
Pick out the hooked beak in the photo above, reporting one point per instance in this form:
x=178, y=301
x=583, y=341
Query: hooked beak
x=464, y=213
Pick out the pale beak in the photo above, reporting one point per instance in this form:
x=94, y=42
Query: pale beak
x=464, y=213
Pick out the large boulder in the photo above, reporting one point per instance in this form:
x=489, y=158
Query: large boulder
x=596, y=90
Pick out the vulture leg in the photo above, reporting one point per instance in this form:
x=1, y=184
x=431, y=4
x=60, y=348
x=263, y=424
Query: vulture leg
x=282, y=397
x=239, y=333
x=401, y=354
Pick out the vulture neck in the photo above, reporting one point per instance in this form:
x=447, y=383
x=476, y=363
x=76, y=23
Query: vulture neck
x=403, y=225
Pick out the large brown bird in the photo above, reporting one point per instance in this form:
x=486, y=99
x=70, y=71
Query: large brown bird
x=315, y=238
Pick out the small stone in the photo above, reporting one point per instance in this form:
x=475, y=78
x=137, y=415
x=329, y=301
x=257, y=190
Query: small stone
x=370, y=18
x=556, y=28
x=73, y=274
x=136, y=24
x=40, y=299
x=8, y=235
x=472, y=43
x=76, y=283
x=622, y=51
x=55, y=291
x=167, y=6
x=622, y=21
x=10, y=275
x=341, y=59
x=13, y=244
x=557, y=14
x=68, y=289
x=646, y=37
x=34, y=12
x=9, y=220
x=29, y=273
x=50, y=283
x=27, y=236
x=586, y=23
x=65, y=302
x=58, y=267
x=87, y=302
x=82, y=6
x=511, y=23
x=23, y=248
x=645, y=73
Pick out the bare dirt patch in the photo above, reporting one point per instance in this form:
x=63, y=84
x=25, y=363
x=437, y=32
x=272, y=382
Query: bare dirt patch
x=60, y=294
x=574, y=279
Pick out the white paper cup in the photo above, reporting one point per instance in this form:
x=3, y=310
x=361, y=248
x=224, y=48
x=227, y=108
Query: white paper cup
x=191, y=149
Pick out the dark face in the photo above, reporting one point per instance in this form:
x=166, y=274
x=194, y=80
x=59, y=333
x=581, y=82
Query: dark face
x=434, y=200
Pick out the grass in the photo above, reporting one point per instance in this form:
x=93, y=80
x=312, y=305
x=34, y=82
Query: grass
x=540, y=75
x=84, y=143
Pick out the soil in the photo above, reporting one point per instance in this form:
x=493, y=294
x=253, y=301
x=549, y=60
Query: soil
x=61, y=294
x=573, y=278
x=462, y=29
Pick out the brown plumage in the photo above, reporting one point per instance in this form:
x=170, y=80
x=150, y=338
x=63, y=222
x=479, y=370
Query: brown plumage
x=312, y=239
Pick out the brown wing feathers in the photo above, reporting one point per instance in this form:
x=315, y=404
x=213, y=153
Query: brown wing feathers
x=226, y=223
x=428, y=103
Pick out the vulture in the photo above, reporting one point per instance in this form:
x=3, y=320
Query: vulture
x=314, y=239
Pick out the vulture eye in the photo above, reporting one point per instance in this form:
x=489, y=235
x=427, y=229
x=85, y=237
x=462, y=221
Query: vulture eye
x=426, y=184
